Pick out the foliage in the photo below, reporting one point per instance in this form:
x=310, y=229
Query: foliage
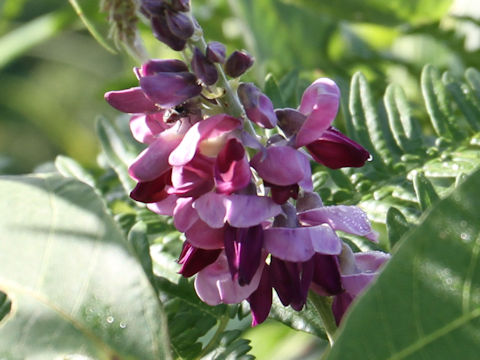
x=88, y=247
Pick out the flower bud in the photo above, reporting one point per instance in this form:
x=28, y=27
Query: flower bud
x=237, y=63
x=290, y=120
x=170, y=89
x=162, y=32
x=203, y=68
x=153, y=7
x=216, y=52
x=179, y=24
x=258, y=106
x=180, y=5
x=153, y=67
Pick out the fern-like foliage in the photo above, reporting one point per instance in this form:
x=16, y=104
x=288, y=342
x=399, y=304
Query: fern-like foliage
x=413, y=163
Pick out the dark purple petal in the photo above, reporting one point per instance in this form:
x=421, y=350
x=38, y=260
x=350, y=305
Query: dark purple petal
x=162, y=32
x=237, y=63
x=335, y=150
x=180, y=5
x=281, y=194
x=216, y=52
x=258, y=106
x=132, y=101
x=243, y=248
x=155, y=66
x=170, y=89
x=261, y=299
x=326, y=275
x=194, y=259
x=153, y=7
x=203, y=68
x=179, y=24
x=340, y=305
x=290, y=120
x=151, y=191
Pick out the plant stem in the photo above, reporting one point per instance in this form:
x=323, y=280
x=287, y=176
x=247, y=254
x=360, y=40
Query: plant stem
x=323, y=305
x=216, y=337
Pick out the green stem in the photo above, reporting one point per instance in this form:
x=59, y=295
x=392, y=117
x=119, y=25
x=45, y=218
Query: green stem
x=323, y=305
x=216, y=337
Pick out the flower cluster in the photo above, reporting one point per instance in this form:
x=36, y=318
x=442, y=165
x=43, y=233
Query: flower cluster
x=245, y=203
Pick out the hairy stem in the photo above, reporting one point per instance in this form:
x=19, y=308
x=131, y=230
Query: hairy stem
x=323, y=305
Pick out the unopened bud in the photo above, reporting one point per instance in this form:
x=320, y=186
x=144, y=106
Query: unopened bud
x=237, y=63
x=216, y=52
x=153, y=7
x=180, y=5
x=203, y=68
x=258, y=106
x=179, y=24
x=162, y=32
x=153, y=67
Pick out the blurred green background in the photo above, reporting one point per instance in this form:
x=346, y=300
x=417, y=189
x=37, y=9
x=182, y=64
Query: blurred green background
x=53, y=73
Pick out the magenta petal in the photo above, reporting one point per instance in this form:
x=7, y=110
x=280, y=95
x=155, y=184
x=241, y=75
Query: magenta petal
x=350, y=219
x=131, y=101
x=258, y=106
x=193, y=179
x=205, y=237
x=370, y=261
x=153, y=161
x=193, y=259
x=212, y=127
x=249, y=210
x=354, y=284
x=320, y=103
x=170, y=89
x=300, y=244
x=281, y=165
x=214, y=284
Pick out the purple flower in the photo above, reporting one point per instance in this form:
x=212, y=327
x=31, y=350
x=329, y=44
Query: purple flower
x=194, y=259
x=258, y=106
x=237, y=63
x=203, y=68
x=232, y=171
x=216, y=52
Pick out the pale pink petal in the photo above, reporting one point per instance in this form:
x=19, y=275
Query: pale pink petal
x=212, y=127
x=350, y=219
x=249, y=210
x=356, y=283
x=153, y=161
x=164, y=207
x=300, y=244
x=203, y=236
x=144, y=128
x=370, y=261
x=211, y=209
x=214, y=284
x=184, y=215
x=320, y=103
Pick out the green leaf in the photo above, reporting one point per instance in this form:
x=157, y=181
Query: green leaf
x=405, y=129
x=473, y=79
x=426, y=302
x=438, y=105
x=365, y=124
x=75, y=286
x=381, y=12
x=69, y=167
x=397, y=225
x=273, y=92
x=426, y=194
x=5, y=305
x=118, y=152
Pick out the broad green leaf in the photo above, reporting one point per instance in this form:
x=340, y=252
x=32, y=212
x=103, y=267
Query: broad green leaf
x=426, y=302
x=69, y=167
x=75, y=286
x=273, y=92
x=118, y=153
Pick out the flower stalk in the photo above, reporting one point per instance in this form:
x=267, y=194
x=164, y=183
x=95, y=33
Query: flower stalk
x=323, y=305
